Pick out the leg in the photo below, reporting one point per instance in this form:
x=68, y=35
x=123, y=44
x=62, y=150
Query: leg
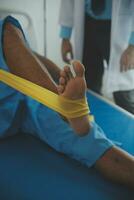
x=11, y=107
x=68, y=140
x=24, y=63
x=118, y=166
x=11, y=103
x=52, y=68
x=115, y=164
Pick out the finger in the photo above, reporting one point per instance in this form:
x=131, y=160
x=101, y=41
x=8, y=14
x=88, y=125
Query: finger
x=66, y=57
x=123, y=63
x=127, y=63
x=131, y=66
x=60, y=89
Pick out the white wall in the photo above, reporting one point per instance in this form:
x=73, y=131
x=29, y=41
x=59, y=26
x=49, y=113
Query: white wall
x=35, y=10
x=52, y=31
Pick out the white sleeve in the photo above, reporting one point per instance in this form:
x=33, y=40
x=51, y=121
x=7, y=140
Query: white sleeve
x=66, y=16
x=132, y=8
x=131, y=39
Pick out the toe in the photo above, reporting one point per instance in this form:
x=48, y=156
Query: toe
x=78, y=68
x=66, y=69
x=62, y=81
x=68, y=72
x=64, y=75
x=60, y=89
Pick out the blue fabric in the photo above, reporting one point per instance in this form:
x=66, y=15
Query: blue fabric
x=65, y=32
x=117, y=125
x=39, y=120
x=131, y=40
x=31, y=170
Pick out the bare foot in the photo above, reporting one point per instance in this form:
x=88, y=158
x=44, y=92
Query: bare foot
x=74, y=88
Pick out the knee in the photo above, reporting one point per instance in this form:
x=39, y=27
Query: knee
x=13, y=40
x=12, y=35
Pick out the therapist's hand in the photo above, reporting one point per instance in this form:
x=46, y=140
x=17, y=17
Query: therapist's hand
x=66, y=49
x=127, y=59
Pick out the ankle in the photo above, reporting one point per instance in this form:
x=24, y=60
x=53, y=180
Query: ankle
x=80, y=125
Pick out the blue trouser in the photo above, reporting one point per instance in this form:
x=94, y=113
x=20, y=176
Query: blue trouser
x=21, y=113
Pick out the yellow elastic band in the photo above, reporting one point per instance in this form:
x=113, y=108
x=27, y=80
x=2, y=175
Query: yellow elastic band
x=66, y=107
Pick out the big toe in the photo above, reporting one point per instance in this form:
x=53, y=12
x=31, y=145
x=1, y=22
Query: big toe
x=78, y=68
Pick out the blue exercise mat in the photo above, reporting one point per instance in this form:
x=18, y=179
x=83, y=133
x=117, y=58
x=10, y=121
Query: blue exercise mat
x=31, y=170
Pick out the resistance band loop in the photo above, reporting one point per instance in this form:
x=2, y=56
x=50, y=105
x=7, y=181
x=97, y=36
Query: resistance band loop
x=66, y=107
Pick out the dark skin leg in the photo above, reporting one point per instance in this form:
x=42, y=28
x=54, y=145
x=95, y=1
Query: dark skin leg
x=24, y=63
x=52, y=68
x=115, y=164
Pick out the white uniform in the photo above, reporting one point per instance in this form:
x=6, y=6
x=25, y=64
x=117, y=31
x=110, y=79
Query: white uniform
x=122, y=27
x=73, y=16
